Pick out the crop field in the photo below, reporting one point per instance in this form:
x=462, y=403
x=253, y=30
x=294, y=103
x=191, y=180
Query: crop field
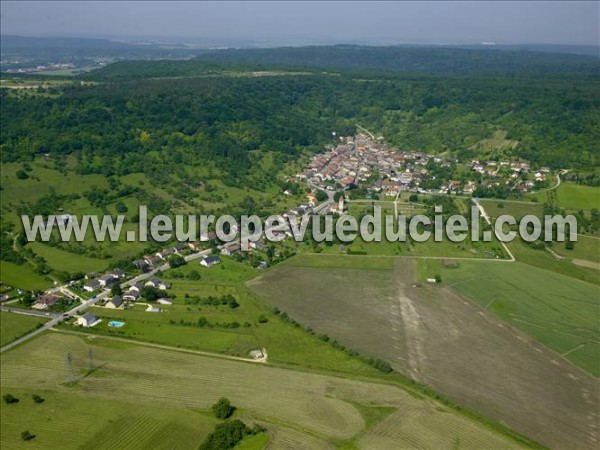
x=13, y=326
x=172, y=390
x=437, y=337
x=22, y=277
x=560, y=312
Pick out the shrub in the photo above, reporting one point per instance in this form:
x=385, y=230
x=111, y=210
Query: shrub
x=27, y=436
x=262, y=319
x=9, y=398
x=36, y=398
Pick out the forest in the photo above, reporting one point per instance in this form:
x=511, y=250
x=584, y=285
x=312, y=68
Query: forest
x=161, y=124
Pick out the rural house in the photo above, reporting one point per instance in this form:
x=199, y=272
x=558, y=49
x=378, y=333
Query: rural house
x=91, y=286
x=114, y=303
x=88, y=320
x=210, y=261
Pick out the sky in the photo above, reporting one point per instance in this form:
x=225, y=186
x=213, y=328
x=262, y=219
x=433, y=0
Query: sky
x=389, y=22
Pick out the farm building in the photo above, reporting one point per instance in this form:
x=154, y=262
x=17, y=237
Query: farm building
x=154, y=309
x=164, y=301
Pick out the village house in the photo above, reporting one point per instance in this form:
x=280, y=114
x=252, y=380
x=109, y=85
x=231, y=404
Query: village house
x=46, y=301
x=88, y=320
x=157, y=284
x=210, y=261
x=231, y=249
x=107, y=280
x=91, y=285
x=141, y=265
x=131, y=296
x=114, y=303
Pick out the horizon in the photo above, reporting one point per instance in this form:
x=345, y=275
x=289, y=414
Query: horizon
x=311, y=23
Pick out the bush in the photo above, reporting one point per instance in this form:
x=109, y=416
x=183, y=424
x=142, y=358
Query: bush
x=36, y=398
x=223, y=408
x=262, y=319
x=381, y=365
x=27, y=436
x=9, y=398
x=569, y=245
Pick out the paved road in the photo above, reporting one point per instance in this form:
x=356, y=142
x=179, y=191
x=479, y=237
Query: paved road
x=87, y=303
x=29, y=312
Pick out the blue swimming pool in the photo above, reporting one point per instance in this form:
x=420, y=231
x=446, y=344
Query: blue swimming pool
x=115, y=324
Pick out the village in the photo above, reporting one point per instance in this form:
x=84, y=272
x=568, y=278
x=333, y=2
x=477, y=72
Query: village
x=363, y=161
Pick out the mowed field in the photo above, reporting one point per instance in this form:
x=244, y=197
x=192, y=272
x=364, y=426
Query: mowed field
x=13, y=326
x=172, y=392
x=443, y=340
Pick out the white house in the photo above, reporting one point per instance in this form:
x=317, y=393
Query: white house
x=210, y=261
x=131, y=296
x=88, y=320
x=91, y=285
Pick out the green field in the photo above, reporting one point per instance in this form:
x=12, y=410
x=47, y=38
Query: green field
x=544, y=259
x=558, y=311
x=576, y=196
x=13, y=326
x=171, y=391
x=62, y=260
x=517, y=209
x=22, y=277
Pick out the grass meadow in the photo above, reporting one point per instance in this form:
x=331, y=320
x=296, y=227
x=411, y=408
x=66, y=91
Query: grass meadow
x=22, y=277
x=13, y=326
